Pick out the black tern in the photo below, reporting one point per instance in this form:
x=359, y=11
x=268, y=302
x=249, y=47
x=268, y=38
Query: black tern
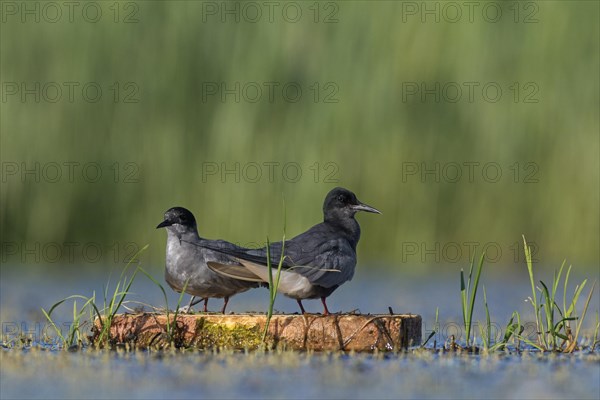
x=187, y=255
x=315, y=263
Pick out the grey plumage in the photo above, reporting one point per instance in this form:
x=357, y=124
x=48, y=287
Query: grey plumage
x=316, y=262
x=186, y=257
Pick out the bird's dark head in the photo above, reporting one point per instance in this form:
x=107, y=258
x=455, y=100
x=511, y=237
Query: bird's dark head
x=178, y=218
x=341, y=203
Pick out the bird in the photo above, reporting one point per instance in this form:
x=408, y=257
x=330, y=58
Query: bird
x=186, y=258
x=315, y=263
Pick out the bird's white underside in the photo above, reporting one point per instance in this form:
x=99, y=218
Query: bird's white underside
x=291, y=283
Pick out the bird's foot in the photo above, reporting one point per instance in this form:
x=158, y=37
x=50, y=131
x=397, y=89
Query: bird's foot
x=185, y=310
x=328, y=313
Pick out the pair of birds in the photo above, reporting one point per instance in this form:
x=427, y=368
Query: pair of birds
x=315, y=263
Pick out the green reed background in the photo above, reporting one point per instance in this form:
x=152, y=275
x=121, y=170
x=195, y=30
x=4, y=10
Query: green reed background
x=369, y=135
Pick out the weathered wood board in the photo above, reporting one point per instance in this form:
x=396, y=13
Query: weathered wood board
x=346, y=332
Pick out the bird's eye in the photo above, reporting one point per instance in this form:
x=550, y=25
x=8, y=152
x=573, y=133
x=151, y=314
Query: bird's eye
x=341, y=198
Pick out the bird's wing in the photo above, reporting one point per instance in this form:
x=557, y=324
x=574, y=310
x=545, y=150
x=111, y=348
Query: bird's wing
x=327, y=264
x=223, y=263
x=319, y=255
x=255, y=255
x=295, y=249
x=234, y=271
x=289, y=281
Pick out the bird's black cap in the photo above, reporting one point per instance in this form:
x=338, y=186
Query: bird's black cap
x=340, y=201
x=178, y=215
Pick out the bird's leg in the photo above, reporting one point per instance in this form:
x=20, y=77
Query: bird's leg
x=188, y=308
x=325, y=310
x=206, y=304
x=301, y=306
x=193, y=301
x=226, y=300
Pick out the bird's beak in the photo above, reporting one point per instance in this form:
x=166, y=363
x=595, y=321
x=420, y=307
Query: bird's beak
x=364, y=207
x=164, y=224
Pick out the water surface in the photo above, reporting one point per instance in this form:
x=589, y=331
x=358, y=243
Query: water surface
x=37, y=373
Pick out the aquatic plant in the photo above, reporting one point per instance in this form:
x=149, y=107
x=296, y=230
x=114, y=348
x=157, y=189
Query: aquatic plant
x=557, y=328
x=553, y=323
x=171, y=328
x=274, y=284
x=545, y=307
x=469, y=291
x=105, y=315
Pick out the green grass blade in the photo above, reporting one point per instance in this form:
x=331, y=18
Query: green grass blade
x=596, y=330
x=565, y=289
x=55, y=305
x=484, y=340
x=585, y=307
x=549, y=311
x=282, y=256
x=119, y=295
x=273, y=286
x=529, y=267
x=58, y=331
x=557, y=279
x=473, y=293
x=157, y=283
x=172, y=328
x=435, y=328
x=124, y=294
x=74, y=324
x=463, y=296
x=487, y=317
x=272, y=292
x=164, y=292
x=575, y=299
x=529, y=342
x=279, y=266
x=533, y=298
x=510, y=329
x=469, y=281
x=75, y=296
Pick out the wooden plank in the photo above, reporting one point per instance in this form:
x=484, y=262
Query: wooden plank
x=347, y=332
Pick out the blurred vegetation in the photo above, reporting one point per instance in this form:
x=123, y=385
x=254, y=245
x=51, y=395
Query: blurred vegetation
x=373, y=132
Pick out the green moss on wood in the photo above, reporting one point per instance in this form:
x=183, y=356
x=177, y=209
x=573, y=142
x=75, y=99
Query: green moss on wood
x=210, y=335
